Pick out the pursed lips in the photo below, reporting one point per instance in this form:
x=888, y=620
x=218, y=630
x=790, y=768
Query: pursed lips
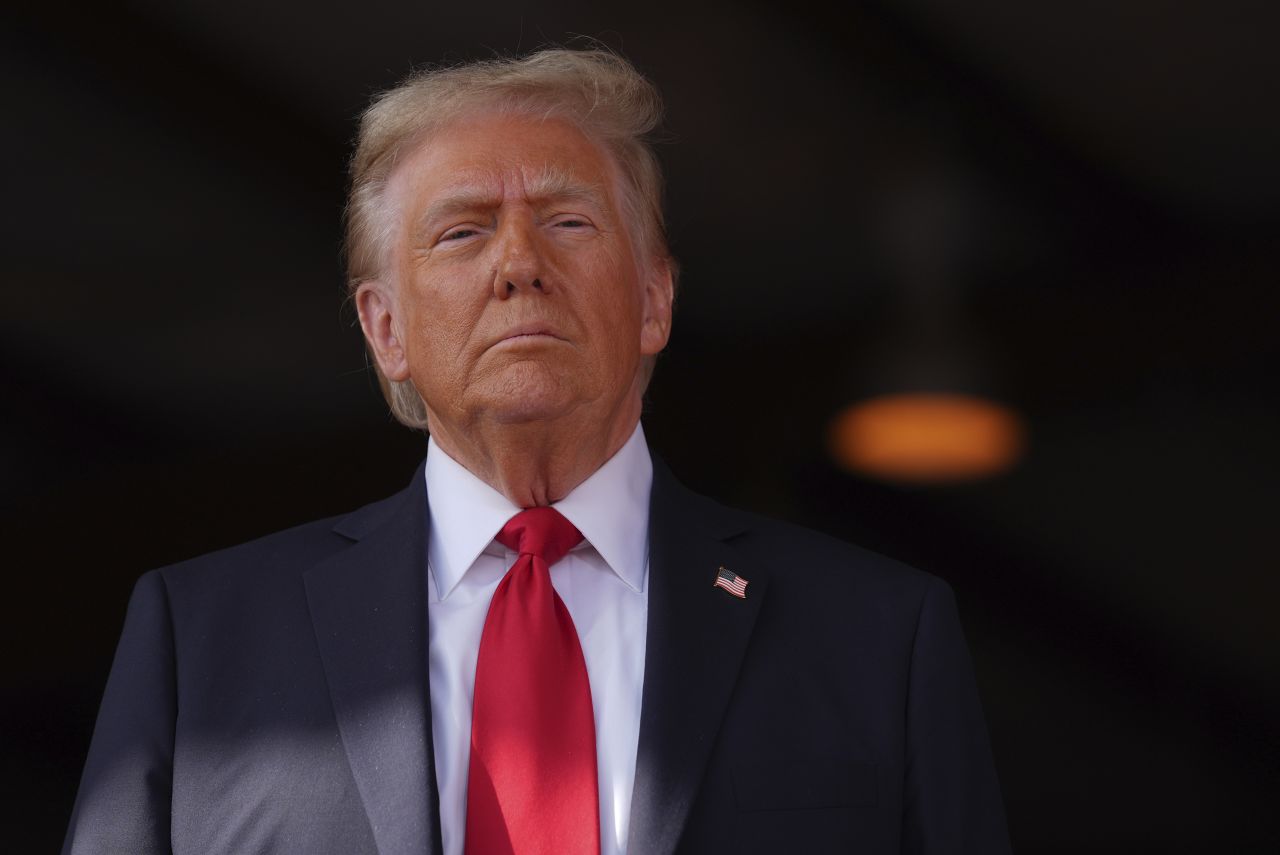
x=528, y=332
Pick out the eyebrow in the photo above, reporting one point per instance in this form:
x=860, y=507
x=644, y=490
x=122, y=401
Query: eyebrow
x=548, y=185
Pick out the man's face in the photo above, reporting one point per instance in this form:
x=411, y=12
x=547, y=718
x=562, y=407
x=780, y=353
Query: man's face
x=515, y=292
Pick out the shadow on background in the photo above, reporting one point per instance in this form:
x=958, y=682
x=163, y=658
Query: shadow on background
x=1090, y=191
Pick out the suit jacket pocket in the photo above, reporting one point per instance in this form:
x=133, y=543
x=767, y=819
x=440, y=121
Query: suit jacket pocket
x=799, y=782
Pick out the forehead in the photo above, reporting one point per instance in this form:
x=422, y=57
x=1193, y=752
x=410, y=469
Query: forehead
x=502, y=156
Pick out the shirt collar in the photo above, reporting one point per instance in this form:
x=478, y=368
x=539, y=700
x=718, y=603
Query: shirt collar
x=610, y=508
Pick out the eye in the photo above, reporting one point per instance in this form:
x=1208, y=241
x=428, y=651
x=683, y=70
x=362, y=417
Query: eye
x=571, y=223
x=457, y=234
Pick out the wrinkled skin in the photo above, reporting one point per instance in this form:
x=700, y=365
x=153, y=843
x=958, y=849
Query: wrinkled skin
x=517, y=302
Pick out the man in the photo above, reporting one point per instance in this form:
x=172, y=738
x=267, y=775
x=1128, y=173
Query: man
x=544, y=644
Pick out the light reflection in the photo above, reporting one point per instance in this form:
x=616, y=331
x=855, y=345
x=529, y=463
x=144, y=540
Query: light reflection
x=927, y=438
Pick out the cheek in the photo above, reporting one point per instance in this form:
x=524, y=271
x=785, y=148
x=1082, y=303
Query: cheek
x=615, y=290
x=616, y=312
x=441, y=319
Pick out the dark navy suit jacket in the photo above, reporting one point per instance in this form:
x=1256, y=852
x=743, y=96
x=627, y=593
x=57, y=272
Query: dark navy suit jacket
x=273, y=698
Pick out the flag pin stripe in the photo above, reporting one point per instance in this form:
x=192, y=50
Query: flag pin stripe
x=729, y=581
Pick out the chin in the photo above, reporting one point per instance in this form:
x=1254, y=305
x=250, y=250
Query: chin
x=529, y=394
x=521, y=415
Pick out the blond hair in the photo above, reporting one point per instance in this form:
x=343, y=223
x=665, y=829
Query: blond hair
x=598, y=91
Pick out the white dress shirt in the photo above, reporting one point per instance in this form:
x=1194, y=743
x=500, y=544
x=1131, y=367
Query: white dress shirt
x=603, y=582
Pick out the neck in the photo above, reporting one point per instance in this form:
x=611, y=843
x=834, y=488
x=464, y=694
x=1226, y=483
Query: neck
x=536, y=463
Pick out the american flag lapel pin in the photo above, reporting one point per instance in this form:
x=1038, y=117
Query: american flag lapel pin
x=731, y=582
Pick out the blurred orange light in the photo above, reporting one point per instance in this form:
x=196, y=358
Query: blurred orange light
x=926, y=438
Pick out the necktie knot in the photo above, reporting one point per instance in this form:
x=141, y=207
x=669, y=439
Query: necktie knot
x=541, y=532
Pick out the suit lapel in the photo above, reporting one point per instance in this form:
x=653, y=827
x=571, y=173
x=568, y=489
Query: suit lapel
x=696, y=640
x=369, y=610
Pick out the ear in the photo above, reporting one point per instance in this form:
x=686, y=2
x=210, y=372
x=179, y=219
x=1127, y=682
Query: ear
x=659, y=294
x=379, y=318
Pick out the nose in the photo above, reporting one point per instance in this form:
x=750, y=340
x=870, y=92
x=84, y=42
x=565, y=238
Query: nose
x=521, y=266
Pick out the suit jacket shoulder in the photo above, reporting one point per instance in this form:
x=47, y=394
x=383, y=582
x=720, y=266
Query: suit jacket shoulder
x=820, y=559
x=241, y=712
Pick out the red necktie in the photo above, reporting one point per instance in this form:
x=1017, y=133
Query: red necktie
x=532, y=786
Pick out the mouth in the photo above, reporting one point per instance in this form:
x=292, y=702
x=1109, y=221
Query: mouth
x=529, y=333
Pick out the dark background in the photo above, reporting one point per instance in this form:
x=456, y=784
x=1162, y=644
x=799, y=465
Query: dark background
x=1090, y=189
